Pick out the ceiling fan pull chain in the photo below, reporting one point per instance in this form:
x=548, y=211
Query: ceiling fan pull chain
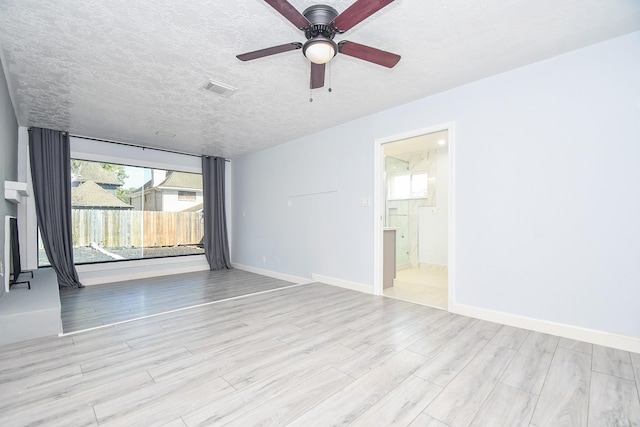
x=310, y=95
x=330, y=67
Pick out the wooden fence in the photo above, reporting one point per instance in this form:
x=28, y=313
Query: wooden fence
x=116, y=228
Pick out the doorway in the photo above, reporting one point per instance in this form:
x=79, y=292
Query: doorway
x=415, y=210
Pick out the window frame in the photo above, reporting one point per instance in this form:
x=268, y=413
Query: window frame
x=410, y=177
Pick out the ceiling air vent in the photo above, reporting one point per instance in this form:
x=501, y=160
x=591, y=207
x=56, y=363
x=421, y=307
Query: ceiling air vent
x=219, y=89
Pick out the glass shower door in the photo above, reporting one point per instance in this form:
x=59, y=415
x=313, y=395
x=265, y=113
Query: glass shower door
x=397, y=209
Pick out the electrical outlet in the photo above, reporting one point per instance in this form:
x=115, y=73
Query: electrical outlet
x=264, y=259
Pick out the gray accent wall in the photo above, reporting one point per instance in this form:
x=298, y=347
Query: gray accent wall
x=547, y=191
x=8, y=159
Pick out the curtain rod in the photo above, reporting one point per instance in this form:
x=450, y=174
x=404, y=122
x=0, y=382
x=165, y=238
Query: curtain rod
x=136, y=146
x=140, y=146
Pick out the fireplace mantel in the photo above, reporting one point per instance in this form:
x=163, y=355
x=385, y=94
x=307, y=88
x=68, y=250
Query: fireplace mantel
x=15, y=191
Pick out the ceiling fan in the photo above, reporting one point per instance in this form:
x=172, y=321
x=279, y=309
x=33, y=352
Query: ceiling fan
x=320, y=24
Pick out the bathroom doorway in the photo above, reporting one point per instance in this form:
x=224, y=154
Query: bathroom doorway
x=415, y=210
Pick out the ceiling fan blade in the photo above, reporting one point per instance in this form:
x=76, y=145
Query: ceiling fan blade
x=367, y=53
x=291, y=13
x=268, y=51
x=358, y=12
x=317, y=75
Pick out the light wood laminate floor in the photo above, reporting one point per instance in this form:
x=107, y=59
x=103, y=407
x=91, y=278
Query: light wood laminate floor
x=316, y=355
x=99, y=305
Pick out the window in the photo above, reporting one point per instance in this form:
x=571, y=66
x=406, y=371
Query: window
x=408, y=186
x=122, y=212
x=419, y=183
x=186, y=195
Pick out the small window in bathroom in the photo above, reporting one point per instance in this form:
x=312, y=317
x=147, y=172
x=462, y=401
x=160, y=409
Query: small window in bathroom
x=400, y=187
x=419, y=186
x=408, y=186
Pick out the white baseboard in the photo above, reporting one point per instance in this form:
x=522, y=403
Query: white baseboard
x=567, y=331
x=354, y=286
x=273, y=274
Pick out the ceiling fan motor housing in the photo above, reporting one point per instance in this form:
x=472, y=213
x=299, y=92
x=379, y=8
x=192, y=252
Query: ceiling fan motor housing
x=321, y=18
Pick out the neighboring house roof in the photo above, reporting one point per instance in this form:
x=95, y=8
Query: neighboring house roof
x=138, y=190
x=183, y=180
x=92, y=171
x=91, y=195
x=195, y=208
x=180, y=180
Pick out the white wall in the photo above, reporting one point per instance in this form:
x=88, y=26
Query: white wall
x=433, y=221
x=8, y=165
x=324, y=176
x=171, y=203
x=547, y=191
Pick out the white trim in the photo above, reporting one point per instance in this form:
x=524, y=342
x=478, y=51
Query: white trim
x=378, y=219
x=567, y=331
x=97, y=274
x=354, y=286
x=273, y=274
x=379, y=199
x=27, y=220
x=451, y=269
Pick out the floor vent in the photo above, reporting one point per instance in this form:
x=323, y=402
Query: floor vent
x=219, y=88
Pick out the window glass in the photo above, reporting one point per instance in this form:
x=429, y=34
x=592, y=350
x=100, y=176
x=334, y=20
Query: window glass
x=408, y=186
x=122, y=212
x=419, y=183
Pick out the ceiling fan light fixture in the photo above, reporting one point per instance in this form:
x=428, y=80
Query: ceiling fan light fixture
x=320, y=50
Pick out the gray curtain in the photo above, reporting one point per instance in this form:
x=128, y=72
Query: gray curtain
x=50, y=157
x=216, y=243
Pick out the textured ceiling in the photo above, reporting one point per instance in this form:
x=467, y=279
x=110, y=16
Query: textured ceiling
x=123, y=71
